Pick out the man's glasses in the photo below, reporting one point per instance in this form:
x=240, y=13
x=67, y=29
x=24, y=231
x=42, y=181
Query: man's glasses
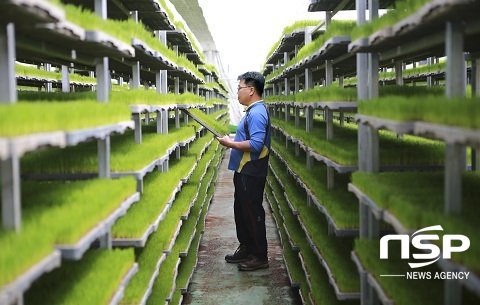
x=238, y=88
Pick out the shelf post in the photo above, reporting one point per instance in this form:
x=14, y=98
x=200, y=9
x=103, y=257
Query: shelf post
x=147, y=118
x=297, y=83
x=308, y=79
x=328, y=73
x=48, y=84
x=429, y=78
x=140, y=186
x=456, y=71
x=101, y=64
x=297, y=149
x=65, y=79
x=368, y=149
x=364, y=288
x=177, y=86
x=287, y=86
x=161, y=79
x=165, y=121
x=134, y=16
x=103, y=79
x=476, y=76
x=11, y=202
x=363, y=215
x=330, y=177
x=106, y=240
x=135, y=84
x=8, y=81
x=101, y=8
x=309, y=115
x=287, y=113
x=297, y=116
x=160, y=121
x=329, y=120
x=373, y=58
x=399, y=73
x=177, y=153
x=362, y=58
x=455, y=165
x=103, y=149
x=373, y=78
x=138, y=127
x=309, y=159
x=177, y=117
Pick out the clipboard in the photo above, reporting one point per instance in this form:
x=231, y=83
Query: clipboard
x=199, y=121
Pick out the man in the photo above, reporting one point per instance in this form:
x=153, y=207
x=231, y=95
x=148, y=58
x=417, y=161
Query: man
x=249, y=160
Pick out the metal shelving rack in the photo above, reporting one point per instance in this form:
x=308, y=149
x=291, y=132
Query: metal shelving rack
x=440, y=28
x=28, y=24
x=443, y=27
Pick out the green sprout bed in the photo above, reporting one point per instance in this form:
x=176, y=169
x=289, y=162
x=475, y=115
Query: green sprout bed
x=455, y=112
x=27, y=117
x=126, y=97
x=165, y=281
x=290, y=256
x=152, y=97
x=338, y=202
x=157, y=243
x=336, y=251
x=405, y=194
x=297, y=25
x=188, y=262
x=93, y=280
x=126, y=155
x=30, y=71
x=402, y=11
x=126, y=30
x=321, y=289
x=210, y=120
x=293, y=228
x=401, y=290
x=158, y=189
x=319, y=94
x=57, y=213
x=336, y=28
x=291, y=189
x=149, y=256
x=343, y=147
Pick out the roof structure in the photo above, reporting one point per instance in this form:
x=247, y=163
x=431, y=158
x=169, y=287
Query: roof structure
x=192, y=13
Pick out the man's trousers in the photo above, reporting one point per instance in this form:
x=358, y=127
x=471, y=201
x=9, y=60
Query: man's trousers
x=249, y=213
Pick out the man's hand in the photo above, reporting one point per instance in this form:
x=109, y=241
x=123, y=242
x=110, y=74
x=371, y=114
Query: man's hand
x=225, y=141
x=229, y=142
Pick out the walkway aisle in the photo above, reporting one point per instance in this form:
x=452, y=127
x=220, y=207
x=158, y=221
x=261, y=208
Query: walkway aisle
x=217, y=282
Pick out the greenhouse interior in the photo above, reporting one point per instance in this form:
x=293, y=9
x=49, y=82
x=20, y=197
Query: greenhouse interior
x=110, y=102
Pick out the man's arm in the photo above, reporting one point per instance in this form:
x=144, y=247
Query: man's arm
x=241, y=146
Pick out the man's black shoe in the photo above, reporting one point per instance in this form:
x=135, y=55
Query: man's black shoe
x=240, y=255
x=253, y=263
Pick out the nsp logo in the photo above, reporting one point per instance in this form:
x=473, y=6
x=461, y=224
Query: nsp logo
x=418, y=242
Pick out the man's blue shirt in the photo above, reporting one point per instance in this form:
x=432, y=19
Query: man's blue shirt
x=257, y=121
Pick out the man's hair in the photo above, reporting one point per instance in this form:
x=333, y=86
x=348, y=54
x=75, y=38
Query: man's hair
x=255, y=79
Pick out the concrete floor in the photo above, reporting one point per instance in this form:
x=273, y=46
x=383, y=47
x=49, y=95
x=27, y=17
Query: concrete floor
x=218, y=282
